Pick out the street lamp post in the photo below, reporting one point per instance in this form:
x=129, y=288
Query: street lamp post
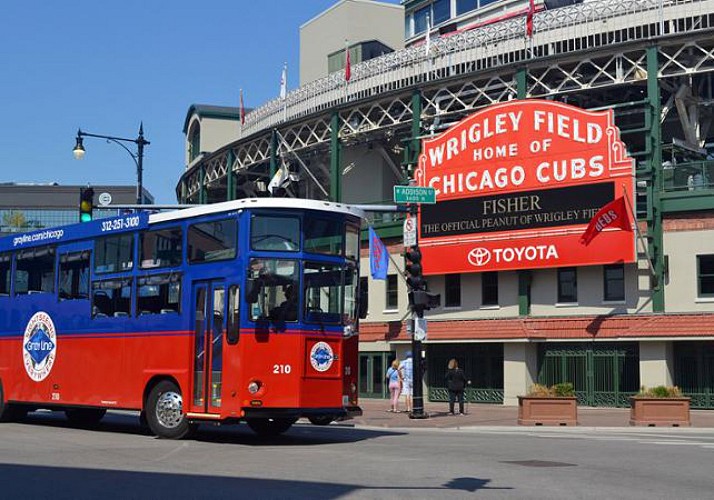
x=138, y=157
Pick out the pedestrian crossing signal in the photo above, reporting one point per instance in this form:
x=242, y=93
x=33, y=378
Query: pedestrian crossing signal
x=86, y=204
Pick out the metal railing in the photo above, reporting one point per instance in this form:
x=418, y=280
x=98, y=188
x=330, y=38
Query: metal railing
x=597, y=23
x=691, y=176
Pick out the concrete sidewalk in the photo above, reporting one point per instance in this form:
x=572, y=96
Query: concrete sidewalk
x=375, y=414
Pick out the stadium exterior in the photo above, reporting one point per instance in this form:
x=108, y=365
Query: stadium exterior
x=609, y=329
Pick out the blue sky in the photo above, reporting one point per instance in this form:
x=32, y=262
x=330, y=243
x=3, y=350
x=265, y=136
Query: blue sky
x=105, y=67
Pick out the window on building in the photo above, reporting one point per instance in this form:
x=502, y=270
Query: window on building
x=111, y=298
x=463, y=6
x=275, y=234
x=614, y=282
x=567, y=285
x=420, y=19
x=392, y=293
x=211, y=241
x=194, y=145
x=158, y=294
x=160, y=248
x=441, y=11
x=114, y=254
x=35, y=271
x=5, y=268
x=74, y=275
x=489, y=288
x=705, y=275
x=452, y=290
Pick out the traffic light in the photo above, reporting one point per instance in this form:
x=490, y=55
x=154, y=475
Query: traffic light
x=413, y=267
x=420, y=299
x=86, y=204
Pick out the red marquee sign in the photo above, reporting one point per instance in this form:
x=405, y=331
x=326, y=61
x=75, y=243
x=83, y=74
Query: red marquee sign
x=517, y=184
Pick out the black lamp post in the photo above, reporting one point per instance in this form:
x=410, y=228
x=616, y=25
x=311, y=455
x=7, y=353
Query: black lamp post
x=138, y=157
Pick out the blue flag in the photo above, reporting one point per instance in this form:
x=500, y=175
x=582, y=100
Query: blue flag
x=378, y=257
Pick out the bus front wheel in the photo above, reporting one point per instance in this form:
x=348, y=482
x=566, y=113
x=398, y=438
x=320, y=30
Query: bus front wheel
x=266, y=427
x=164, y=411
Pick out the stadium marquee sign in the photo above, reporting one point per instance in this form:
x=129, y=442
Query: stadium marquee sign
x=516, y=185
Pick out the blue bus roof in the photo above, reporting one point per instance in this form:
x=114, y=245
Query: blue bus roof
x=141, y=220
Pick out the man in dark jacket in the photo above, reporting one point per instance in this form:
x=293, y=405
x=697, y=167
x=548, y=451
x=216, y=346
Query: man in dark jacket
x=456, y=383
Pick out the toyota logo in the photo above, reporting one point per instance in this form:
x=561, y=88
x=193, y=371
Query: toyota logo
x=479, y=257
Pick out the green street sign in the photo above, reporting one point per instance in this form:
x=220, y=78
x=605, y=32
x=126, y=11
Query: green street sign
x=414, y=194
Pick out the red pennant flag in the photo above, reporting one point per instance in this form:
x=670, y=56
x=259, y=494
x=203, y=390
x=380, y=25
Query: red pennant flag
x=614, y=214
x=529, y=19
x=242, y=109
x=348, y=69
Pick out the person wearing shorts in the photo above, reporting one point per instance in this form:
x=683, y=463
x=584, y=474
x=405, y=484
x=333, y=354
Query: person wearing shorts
x=407, y=369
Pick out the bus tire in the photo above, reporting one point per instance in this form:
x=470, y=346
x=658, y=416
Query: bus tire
x=321, y=420
x=85, y=417
x=267, y=427
x=164, y=411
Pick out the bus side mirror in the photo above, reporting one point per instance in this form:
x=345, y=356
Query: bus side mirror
x=363, y=302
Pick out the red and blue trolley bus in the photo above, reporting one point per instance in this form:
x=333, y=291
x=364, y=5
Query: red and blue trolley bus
x=243, y=310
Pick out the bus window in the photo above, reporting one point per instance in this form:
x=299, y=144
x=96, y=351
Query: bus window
x=323, y=293
x=275, y=234
x=5, y=267
x=352, y=243
x=323, y=236
x=159, y=294
x=74, y=276
x=211, y=241
x=35, y=271
x=111, y=298
x=233, y=330
x=160, y=248
x=114, y=254
x=272, y=289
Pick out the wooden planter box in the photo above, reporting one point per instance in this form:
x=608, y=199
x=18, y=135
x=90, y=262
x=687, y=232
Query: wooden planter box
x=547, y=411
x=659, y=411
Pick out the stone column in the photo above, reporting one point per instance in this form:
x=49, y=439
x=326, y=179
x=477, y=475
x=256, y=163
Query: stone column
x=520, y=370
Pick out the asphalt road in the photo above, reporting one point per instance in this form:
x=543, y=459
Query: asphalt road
x=45, y=458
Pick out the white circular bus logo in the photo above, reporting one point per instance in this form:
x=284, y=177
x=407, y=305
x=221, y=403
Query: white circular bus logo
x=321, y=356
x=39, y=346
x=479, y=257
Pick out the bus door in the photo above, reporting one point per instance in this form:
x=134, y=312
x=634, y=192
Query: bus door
x=209, y=320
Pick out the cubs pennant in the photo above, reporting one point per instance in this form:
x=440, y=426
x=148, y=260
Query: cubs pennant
x=614, y=214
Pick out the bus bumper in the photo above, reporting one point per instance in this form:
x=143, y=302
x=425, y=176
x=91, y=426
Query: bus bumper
x=342, y=413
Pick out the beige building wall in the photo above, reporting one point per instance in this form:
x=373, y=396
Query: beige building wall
x=520, y=370
x=656, y=363
x=682, y=248
x=351, y=20
x=215, y=133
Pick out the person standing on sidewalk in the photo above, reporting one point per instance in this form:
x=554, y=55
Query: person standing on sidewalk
x=394, y=379
x=456, y=383
x=407, y=369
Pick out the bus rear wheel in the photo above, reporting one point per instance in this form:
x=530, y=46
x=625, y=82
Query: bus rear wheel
x=164, y=411
x=85, y=417
x=321, y=420
x=266, y=427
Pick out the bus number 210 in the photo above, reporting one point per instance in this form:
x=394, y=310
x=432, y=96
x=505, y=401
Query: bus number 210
x=282, y=369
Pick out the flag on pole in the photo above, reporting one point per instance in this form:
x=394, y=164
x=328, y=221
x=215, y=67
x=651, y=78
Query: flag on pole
x=529, y=18
x=284, y=82
x=242, y=109
x=614, y=214
x=348, y=69
x=427, y=42
x=378, y=256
